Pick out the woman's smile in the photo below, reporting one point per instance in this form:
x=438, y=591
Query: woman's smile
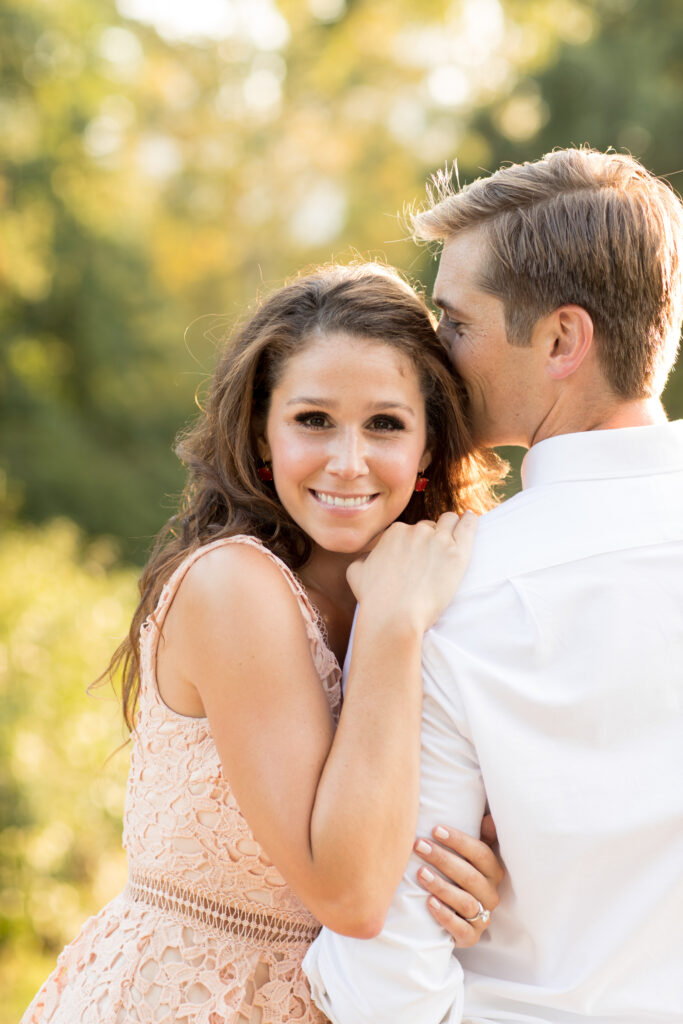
x=343, y=502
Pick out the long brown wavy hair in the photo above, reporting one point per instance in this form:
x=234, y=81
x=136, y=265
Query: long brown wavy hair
x=224, y=495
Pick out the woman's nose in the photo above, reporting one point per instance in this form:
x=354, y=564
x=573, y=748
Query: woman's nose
x=347, y=456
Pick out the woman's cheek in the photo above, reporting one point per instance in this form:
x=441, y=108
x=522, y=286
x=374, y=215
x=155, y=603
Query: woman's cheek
x=295, y=457
x=400, y=467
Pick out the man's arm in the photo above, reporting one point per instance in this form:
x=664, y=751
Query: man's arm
x=408, y=973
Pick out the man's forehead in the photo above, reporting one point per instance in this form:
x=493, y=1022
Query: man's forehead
x=459, y=268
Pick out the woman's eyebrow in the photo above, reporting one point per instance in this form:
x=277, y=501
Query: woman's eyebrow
x=308, y=400
x=393, y=405
x=331, y=403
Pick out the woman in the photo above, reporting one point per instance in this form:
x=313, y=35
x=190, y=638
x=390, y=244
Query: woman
x=249, y=820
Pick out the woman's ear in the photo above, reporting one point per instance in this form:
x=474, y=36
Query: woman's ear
x=263, y=448
x=424, y=461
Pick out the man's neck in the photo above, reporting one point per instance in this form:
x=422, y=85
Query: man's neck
x=643, y=412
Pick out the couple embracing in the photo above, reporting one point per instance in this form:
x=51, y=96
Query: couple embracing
x=532, y=671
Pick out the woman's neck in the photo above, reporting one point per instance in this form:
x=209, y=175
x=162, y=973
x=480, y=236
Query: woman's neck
x=324, y=577
x=325, y=571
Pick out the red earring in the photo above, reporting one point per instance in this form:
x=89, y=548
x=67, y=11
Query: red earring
x=421, y=483
x=265, y=473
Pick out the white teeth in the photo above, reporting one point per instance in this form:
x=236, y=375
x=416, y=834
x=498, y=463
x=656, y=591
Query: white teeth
x=333, y=499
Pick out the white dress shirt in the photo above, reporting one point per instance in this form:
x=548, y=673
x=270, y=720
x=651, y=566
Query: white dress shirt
x=553, y=687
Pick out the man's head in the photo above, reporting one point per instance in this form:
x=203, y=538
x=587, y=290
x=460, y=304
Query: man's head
x=582, y=244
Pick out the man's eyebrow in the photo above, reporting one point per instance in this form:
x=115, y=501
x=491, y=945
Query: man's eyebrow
x=444, y=305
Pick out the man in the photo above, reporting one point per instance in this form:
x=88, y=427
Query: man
x=554, y=682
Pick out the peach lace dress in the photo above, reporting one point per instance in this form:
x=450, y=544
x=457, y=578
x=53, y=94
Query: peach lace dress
x=206, y=930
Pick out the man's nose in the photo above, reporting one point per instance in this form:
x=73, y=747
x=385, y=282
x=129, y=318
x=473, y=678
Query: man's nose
x=347, y=456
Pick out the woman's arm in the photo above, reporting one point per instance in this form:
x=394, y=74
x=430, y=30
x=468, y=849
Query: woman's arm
x=408, y=973
x=336, y=814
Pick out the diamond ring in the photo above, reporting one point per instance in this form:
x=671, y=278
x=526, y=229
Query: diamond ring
x=482, y=915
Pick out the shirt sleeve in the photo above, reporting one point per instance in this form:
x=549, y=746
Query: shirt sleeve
x=409, y=973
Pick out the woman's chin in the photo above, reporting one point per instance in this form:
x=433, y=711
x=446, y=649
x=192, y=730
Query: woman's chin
x=353, y=545
x=350, y=549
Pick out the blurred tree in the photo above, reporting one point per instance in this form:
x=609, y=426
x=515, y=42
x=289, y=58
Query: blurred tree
x=86, y=369
x=154, y=172
x=61, y=798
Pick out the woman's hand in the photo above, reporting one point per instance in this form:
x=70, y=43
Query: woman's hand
x=467, y=873
x=413, y=572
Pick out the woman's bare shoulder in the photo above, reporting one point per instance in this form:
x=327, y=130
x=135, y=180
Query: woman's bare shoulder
x=237, y=577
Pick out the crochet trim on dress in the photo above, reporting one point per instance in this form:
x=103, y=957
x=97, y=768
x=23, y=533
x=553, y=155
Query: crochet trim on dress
x=243, y=920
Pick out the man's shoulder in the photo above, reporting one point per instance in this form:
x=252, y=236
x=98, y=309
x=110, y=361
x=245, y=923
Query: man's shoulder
x=560, y=523
x=507, y=538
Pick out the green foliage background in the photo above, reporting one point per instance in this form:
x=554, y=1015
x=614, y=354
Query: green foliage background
x=149, y=178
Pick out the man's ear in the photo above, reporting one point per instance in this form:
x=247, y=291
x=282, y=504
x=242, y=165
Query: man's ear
x=567, y=334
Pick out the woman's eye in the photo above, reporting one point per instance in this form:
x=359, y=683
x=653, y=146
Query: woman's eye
x=386, y=423
x=316, y=420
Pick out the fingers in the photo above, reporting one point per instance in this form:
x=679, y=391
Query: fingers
x=488, y=830
x=451, y=896
x=447, y=522
x=462, y=932
x=455, y=525
x=472, y=858
x=451, y=907
x=462, y=886
x=467, y=874
x=466, y=528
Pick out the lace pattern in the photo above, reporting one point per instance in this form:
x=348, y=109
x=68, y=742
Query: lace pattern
x=206, y=931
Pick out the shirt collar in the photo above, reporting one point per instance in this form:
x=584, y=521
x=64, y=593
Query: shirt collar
x=594, y=454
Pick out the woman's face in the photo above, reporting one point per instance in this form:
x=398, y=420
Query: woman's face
x=346, y=434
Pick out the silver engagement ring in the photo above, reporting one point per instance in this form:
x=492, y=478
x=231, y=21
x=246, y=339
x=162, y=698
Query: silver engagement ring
x=482, y=915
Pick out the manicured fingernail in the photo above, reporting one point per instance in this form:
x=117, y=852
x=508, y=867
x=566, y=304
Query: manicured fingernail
x=434, y=903
x=422, y=847
x=426, y=875
x=440, y=832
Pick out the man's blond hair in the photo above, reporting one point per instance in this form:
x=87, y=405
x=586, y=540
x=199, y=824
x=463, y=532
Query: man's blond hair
x=584, y=227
